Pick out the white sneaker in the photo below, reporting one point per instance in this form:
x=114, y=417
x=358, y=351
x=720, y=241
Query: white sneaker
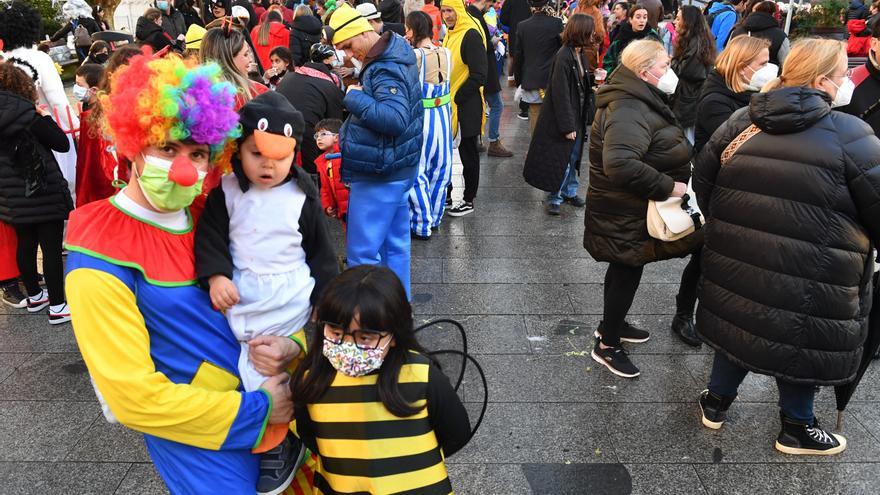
x=38, y=302
x=59, y=314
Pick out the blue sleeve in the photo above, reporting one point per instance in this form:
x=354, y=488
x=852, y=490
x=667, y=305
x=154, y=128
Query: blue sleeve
x=725, y=22
x=250, y=423
x=387, y=110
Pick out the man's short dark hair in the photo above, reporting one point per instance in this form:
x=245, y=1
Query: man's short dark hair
x=92, y=73
x=332, y=125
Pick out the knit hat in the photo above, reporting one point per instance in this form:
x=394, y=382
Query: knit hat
x=368, y=10
x=194, y=36
x=277, y=126
x=348, y=23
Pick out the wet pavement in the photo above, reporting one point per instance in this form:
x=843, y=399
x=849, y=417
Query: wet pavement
x=529, y=297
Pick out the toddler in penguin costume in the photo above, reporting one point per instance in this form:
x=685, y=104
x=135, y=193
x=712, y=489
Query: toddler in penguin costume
x=264, y=253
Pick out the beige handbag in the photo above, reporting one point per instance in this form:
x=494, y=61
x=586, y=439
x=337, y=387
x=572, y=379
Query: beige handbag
x=675, y=218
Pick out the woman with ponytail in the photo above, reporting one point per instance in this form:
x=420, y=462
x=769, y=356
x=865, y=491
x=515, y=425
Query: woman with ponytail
x=271, y=33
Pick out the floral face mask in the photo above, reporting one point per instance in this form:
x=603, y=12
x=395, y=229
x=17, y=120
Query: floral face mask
x=351, y=361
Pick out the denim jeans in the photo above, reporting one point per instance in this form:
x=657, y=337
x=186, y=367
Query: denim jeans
x=796, y=401
x=495, y=107
x=569, y=188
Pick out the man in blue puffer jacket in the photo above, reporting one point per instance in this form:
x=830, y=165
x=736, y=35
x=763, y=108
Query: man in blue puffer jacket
x=721, y=19
x=381, y=142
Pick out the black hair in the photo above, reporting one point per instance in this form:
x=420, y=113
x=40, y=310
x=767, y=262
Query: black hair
x=376, y=297
x=20, y=25
x=332, y=125
x=92, y=73
x=283, y=53
x=421, y=26
x=695, y=28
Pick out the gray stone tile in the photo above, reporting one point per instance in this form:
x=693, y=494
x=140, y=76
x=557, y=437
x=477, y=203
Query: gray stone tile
x=33, y=333
x=60, y=477
x=672, y=433
x=494, y=334
x=42, y=431
x=143, y=480
x=578, y=478
x=518, y=248
x=789, y=479
x=664, y=479
x=561, y=334
x=557, y=433
x=11, y=360
x=60, y=376
x=867, y=414
x=476, y=225
x=482, y=479
x=578, y=378
x=108, y=442
x=547, y=270
x=426, y=270
x=486, y=299
x=488, y=194
x=650, y=299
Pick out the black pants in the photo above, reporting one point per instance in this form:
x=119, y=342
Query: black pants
x=48, y=236
x=470, y=164
x=621, y=284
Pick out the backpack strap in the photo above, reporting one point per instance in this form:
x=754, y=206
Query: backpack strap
x=748, y=133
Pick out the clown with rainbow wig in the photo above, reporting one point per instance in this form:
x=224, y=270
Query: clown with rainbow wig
x=162, y=360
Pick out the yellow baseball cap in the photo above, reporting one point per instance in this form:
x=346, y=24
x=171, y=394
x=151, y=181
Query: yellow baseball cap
x=347, y=22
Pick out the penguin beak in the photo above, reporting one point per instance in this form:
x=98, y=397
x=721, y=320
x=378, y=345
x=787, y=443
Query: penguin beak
x=274, y=146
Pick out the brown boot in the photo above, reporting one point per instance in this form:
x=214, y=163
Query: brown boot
x=498, y=149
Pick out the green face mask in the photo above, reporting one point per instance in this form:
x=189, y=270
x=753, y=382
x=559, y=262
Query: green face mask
x=170, y=186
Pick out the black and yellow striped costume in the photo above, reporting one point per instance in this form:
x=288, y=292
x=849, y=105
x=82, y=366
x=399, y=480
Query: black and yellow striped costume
x=364, y=449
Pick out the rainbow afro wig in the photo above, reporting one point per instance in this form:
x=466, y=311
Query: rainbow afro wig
x=153, y=100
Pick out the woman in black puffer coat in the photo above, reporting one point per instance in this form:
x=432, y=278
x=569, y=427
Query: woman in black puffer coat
x=693, y=58
x=553, y=160
x=792, y=219
x=34, y=197
x=306, y=31
x=637, y=153
x=729, y=85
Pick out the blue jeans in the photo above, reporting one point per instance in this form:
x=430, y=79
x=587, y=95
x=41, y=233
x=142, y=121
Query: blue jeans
x=495, y=108
x=569, y=187
x=796, y=401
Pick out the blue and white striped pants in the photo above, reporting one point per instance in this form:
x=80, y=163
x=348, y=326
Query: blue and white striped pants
x=427, y=199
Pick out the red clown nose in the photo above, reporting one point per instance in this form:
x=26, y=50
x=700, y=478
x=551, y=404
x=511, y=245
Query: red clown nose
x=182, y=172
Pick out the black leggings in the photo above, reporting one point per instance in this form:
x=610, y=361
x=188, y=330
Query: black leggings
x=48, y=236
x=621, y=284
x=470, y=164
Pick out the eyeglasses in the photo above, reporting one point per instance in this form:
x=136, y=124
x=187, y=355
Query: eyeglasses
x=319, y=135
x=848, y=73
x=363, y=338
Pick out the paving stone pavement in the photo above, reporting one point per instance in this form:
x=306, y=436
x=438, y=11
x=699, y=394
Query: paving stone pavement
x=529, y=297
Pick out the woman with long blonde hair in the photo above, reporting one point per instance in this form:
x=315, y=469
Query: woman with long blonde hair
x=229, y=49
x=740, y=71
x=791, y=192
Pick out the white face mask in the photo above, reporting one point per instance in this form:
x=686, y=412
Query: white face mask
x=762, y=76
x=668, y=82
x=844, y=93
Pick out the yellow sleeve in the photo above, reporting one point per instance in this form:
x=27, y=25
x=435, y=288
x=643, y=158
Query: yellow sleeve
x=115, y=345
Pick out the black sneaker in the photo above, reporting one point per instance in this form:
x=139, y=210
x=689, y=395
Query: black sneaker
x=462, y=209
x=575, y=201
x=628, y=333
x=523, y=115
x=553, y=209
x=448, y=201
x=279, y=465
x=714, y=408
x=800, y=438
x=13, y=297
x=419, y=237
x=616, y=360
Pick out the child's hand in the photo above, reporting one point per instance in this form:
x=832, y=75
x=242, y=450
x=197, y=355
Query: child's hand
x=223, y=292
x=282, y=407
x=330, y=211
x=271, y=354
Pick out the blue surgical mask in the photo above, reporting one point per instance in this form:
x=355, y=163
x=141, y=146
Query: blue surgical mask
x=162, y=5
x=80, y=93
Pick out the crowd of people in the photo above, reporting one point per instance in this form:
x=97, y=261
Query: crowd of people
x=192, y=181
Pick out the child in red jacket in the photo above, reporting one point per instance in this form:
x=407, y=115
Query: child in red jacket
x=334, y=194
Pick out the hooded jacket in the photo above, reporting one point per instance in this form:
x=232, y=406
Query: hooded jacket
x=278, y=36
x=382, y=138
x=717, y=103
x=152, y=34
x=691, y=74
x=466, y=43
x=791, y=222
x=723, y=17
x=859, y=42
x=637, y=152
x=25, y=158
x=764, y=25
x=305, y=33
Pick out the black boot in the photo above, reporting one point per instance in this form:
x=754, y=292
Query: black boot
x=683, y=325
x=714, y=408
x=801, y=438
